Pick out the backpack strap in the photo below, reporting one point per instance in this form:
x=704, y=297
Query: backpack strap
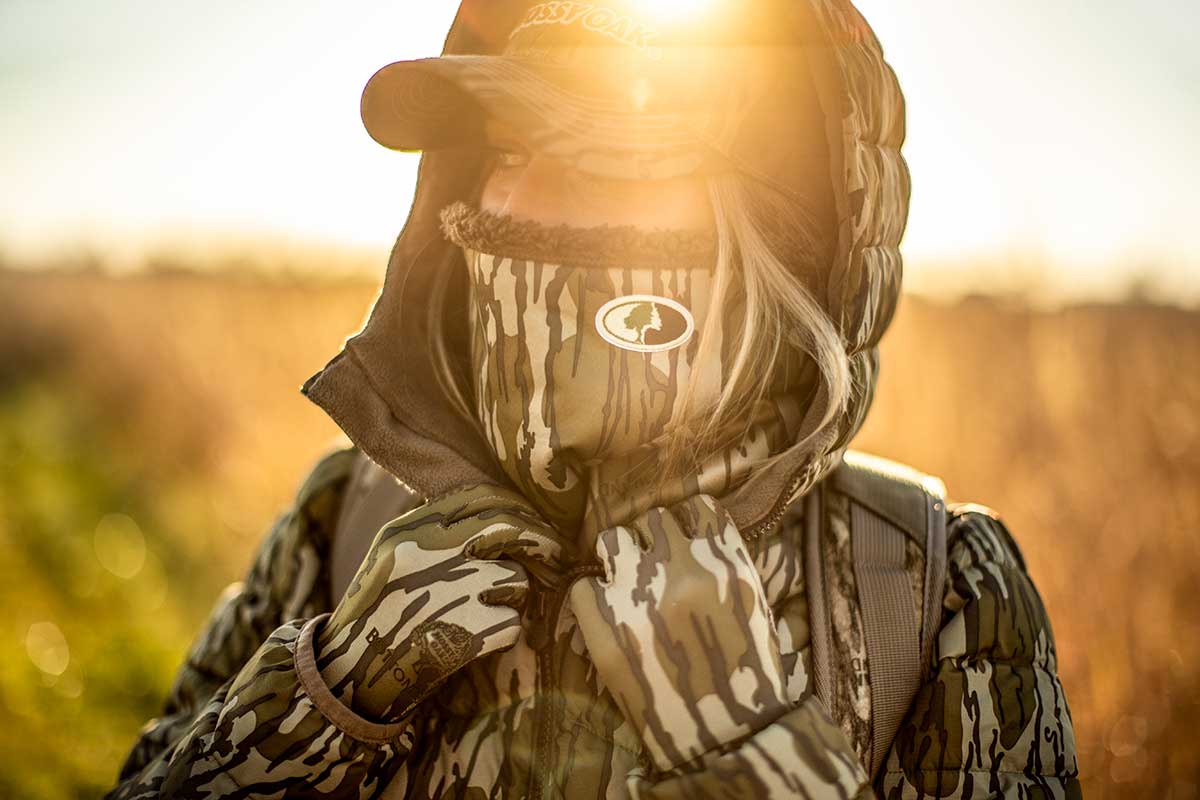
x=373, y=497
x=889, y=503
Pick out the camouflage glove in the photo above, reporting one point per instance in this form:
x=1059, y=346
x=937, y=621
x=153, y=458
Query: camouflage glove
x=681, y=632
x=431, y=596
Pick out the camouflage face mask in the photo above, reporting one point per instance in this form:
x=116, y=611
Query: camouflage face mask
x=583, y=342
x=580, y=356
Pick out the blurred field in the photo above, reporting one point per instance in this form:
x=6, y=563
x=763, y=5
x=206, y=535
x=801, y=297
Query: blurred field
x=151, y=427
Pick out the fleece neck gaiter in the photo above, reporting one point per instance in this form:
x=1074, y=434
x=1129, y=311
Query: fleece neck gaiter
x=583, y=342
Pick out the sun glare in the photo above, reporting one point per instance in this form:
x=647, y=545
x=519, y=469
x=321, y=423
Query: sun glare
x=674, y=8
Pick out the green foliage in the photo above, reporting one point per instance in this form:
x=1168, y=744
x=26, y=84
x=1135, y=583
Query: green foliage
x=87, y=654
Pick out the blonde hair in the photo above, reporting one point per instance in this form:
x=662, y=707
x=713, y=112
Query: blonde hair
x=768, y=247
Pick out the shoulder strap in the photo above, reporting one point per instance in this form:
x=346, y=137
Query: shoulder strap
x=373, y=497
x=889, y=503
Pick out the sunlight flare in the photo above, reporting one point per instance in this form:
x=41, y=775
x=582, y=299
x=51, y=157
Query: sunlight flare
x=674, y=8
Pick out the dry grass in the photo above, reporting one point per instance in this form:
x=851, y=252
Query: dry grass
x=1081, y=426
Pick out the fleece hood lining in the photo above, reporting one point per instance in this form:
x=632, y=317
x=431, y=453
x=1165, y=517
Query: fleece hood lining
x=600, y=246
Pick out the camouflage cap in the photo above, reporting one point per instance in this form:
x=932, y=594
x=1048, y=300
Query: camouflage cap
x=618, y=90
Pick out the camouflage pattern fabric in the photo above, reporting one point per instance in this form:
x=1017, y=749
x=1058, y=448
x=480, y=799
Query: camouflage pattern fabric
x=554, y=397
x=238, y=720
x=680, y=628
x=849, y=638
x=575, y=421
x=431, y=596
x=991, y=720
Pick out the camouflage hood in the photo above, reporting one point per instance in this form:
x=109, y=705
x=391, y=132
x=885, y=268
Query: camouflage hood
x=382, y=390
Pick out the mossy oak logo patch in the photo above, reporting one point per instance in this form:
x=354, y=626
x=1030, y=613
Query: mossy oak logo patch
x=644, y=323
x=438, y=649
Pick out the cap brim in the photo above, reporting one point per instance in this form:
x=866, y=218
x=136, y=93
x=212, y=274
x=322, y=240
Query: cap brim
x=435, y=103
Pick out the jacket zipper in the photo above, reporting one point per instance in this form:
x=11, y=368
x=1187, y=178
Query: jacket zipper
x=547, y=607
x=780, y=507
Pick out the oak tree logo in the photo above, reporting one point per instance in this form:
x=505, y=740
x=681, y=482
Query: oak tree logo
x=644, y=323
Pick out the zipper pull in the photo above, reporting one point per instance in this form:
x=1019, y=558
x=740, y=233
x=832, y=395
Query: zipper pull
x=539, y=617
x=546, y=604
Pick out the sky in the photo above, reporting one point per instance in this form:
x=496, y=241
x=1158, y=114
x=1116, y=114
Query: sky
x=1049, y=136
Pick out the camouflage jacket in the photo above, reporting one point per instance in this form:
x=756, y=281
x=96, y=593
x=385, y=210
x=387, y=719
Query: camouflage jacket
x=248, y=714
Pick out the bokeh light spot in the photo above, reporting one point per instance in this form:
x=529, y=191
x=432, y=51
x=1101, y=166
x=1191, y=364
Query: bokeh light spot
x=47, y=648
x=120, y=545
x=70, y=683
